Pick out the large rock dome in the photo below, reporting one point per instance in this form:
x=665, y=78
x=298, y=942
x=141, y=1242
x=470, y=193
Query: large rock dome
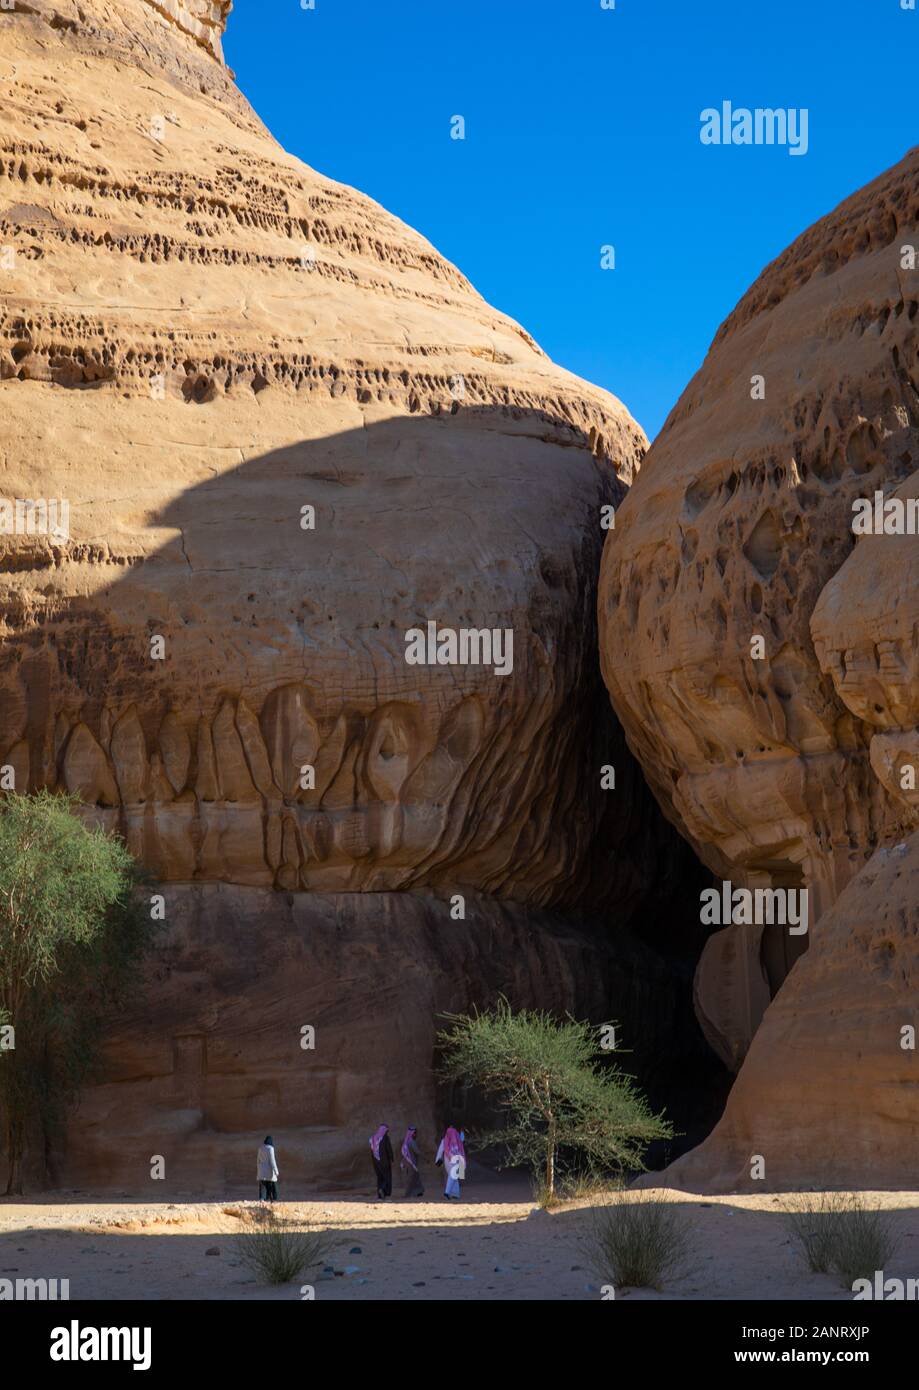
x=280, y=432
x=740, y=517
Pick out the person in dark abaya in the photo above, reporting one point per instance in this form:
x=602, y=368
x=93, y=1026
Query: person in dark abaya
x=410, y=1163
x=381, y=1153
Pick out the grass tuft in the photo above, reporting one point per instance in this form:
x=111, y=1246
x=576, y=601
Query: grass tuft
x=278, y=1250
x=839, y=1233
x=637, y=1242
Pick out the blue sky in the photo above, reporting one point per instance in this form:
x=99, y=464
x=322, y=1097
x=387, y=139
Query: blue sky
x=582, y=130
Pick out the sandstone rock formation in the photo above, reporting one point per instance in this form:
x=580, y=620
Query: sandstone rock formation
x=244, y=972
x=286, y=432
x=204, y=20
x=866, y=636
x=202, y=339
x=829, y=1093
x=741, y=515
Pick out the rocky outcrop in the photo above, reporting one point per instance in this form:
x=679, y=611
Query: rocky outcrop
x=313, y=1017
x=269, y=432
x=829, y=1093
x=288, y=433
x=740, y=517
x=866, y=635
x=203, y=20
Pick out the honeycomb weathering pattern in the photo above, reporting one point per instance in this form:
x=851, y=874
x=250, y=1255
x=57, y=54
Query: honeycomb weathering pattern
x=199, y=337
x=787, y=771
x=184, y=257
x=741, y=515
x=833, y=1103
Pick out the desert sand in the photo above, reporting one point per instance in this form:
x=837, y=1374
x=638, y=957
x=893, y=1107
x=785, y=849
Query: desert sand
x=493, y=1245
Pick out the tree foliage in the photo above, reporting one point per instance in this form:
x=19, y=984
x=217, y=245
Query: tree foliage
x=555, y=1092
x=71, y=938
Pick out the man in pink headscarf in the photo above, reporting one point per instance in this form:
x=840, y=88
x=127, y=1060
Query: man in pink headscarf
x=381, y=1153
x=452, y=1155
x=410, y=1164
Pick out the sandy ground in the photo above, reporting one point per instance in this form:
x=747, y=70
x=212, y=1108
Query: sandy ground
x=493, y=1245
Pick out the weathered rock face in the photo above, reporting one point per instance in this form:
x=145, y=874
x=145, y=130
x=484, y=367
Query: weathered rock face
x=203, y=340
x=242, y=972
x=741, y=515
x=203, y=20
x=286, y=432
x=829, y=1092
x=866, y=635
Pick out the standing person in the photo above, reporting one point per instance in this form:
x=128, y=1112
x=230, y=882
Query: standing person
x=452, y=1155
x=410, y=1166
x=381, y=1152
x=267, y=1171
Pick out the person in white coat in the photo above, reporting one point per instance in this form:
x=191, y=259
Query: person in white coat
x=451, y=1153
x=267, y=1171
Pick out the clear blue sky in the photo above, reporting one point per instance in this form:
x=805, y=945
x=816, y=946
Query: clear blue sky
x=582, y=129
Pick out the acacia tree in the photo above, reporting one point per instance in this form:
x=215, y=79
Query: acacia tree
x=71, y=936
x=547, y=1077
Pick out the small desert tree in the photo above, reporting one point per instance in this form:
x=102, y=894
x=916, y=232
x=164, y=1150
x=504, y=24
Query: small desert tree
x=71, y=935
x=547, y=1077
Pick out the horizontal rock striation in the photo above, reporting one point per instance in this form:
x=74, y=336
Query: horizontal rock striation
x=200, y=340
x=203, y=20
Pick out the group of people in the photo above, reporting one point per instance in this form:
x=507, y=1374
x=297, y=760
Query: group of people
x=450, y=1153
